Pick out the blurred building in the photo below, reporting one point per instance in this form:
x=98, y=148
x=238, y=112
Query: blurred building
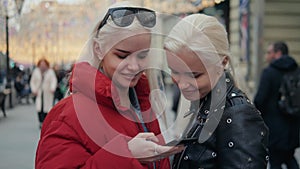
x=52, y=30
x=58, y=31
x=265, y=21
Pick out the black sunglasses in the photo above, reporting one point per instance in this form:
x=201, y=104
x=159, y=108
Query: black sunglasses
x=124, y=16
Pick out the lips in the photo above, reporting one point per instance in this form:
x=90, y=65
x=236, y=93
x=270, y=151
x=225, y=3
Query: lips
x=191, y=93
x=188, y=91
x=130, y=76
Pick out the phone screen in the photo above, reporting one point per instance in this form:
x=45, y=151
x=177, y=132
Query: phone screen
x=181, y=141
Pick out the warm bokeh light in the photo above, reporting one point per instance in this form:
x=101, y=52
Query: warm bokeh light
x=58, y=29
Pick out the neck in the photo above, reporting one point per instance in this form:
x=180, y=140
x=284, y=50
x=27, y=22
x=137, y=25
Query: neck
x=124, y=98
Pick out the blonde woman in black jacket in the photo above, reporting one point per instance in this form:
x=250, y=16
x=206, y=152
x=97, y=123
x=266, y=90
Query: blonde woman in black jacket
x=226, y=131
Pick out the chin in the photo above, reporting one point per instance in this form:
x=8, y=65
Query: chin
x=132, y=84
x=191, y=97
x=127, y=84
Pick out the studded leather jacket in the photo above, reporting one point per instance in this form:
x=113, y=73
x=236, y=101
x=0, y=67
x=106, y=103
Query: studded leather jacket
x=228, y=130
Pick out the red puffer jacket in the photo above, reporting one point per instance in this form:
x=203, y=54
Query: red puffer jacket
x=90, y=129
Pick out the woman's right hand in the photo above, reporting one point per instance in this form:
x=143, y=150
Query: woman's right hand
x=144, y=147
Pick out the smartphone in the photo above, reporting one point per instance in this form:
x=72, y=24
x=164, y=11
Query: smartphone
x=183, y=141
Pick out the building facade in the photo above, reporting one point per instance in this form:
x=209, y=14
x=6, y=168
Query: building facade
x=268, y=21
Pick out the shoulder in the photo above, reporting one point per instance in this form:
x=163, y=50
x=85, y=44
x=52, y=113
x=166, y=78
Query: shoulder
x=58, y=113
x=62, y=114
x=269, y=72
x=240, y=109
x=36, y=71
x=243, y=133
x=241, y=116
x=237, y=99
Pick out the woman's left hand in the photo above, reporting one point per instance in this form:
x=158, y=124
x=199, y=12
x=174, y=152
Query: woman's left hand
x=144, y=148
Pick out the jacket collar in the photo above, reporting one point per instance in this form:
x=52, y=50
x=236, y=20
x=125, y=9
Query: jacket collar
x=209, y=111
x=92, y=83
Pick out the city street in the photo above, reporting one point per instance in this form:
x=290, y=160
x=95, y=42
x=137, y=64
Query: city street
x=19, y=137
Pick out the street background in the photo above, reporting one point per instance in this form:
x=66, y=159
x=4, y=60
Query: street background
x=58, y=29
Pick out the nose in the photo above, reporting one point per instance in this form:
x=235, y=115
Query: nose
x=133, y=64
x=181, y=82
x=183, y=85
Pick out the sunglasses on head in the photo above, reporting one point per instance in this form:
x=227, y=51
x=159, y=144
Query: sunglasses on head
x=124, y=16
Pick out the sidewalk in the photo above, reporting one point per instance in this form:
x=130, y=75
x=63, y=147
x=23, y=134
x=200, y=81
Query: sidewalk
x=19, y=136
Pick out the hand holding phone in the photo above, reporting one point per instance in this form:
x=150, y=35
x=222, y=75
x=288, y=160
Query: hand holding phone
x=162, y=153
x=145, y=148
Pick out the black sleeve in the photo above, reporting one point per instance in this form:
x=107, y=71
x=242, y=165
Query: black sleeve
x=263, y=91
x=242, y=138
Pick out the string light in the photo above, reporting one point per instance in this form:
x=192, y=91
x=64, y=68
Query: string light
x=64, y=40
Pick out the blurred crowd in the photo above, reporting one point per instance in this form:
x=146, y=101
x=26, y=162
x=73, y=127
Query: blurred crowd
x=20, y=77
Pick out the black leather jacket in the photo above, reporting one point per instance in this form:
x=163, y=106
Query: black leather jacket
x=232, y=134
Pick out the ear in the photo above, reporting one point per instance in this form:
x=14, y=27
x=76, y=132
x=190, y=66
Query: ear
x=97, y=51
x=225, y=60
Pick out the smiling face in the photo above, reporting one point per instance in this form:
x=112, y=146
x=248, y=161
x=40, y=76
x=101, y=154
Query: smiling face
x=194, y=79
x=124, y=63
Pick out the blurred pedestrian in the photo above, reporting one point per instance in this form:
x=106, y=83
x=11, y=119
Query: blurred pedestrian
x=284, y=130
x=107, y=122
x=2, y=80
x=59, y=91
x=226, y=130
x=22, y=87
x=43, y=83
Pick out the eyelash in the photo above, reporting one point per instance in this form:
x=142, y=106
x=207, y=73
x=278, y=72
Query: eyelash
x=122, y=57
x=192, y=76
x=142, y=56
x=138, y=56
x=196, y=76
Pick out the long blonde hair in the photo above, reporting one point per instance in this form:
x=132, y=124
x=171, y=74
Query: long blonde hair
x=201, y=33
x=192, y=29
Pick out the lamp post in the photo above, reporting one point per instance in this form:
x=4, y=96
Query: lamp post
x=8, y=80
x=19, y=4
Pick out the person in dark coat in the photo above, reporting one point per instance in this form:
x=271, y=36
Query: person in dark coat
x=284, y=130
x=226, y=131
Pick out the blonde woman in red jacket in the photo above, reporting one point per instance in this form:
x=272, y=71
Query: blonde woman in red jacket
x=107, y=122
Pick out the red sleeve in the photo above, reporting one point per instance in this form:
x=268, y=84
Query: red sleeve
x=60, y=147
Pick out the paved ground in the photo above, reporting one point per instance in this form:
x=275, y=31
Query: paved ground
x=19, y=134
